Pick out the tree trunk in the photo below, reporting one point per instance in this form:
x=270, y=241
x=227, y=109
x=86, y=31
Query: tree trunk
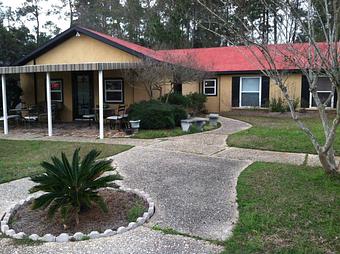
x=328, y=162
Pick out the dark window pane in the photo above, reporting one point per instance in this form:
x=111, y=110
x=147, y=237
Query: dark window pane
x=113, y=84
x=210, y=83
x=114, y=96
x=324, y=84
x=250, y=99
x=209, y=90
x=56, y=96
x=55, y=85
x=323, y=97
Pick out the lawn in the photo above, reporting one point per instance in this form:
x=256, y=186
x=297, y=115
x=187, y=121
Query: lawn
x=150, y=134
x=286, y=209
x=22, y=158
x=278, y=134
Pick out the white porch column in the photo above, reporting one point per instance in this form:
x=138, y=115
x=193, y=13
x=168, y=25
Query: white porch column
x=101, y=104
x=4, y=104
x=49, y=106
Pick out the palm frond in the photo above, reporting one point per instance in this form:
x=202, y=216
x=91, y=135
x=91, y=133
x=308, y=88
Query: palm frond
x=71, y=186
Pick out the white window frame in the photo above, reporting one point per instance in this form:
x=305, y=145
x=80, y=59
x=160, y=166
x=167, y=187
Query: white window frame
x=311, y=100
x=57, y=91
x=259, y=92
x=114, y=90
x=215, y=87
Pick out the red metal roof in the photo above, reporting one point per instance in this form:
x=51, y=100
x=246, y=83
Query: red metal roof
x=225, y=59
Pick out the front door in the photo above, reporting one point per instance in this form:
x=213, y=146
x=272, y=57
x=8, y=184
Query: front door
x=82, y=94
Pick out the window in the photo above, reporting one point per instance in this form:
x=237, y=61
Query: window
x=210, y=87
x=57, y=90
x=114, y=91
x=178, y=89
x=250, y=92
x=324, y=88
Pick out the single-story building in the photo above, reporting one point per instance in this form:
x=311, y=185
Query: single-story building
x=85, y=70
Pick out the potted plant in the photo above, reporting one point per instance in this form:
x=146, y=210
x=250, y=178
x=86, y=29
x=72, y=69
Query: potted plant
x=185, y=125
x=213, y=118
x=135, y=124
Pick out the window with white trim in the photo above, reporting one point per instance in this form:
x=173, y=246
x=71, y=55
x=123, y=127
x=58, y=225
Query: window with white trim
x=324, y=90
x=113, y=90
x=250, y=91
x=210, y=87
x=57, y=90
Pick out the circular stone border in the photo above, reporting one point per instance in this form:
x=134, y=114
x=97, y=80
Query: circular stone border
x=78, y=236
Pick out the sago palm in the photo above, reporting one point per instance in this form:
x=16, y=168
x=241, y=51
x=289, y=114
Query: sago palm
x=71, y=187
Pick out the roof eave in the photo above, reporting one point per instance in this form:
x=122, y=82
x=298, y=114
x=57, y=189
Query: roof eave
x=68, y=34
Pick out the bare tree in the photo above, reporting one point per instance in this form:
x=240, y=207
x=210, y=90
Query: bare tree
x=165, y=70
x=313, y=58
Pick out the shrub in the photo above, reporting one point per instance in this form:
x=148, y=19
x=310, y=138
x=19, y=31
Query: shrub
x=179, y=114
x=153, y=115
x=197, y=101
x=280, y=105
x=176, y=99
x=277, y=105
x=71, y=187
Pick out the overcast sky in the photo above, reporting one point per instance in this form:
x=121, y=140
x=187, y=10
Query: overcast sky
x=63, y=24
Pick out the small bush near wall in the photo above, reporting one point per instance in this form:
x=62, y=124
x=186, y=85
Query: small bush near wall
x=156, y=114
x=193, y=101
x=197, y=101
x=279, y=105
x=179, y=114
x=176, y=99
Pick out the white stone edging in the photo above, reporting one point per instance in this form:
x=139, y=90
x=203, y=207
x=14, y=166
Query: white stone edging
x=78, y=236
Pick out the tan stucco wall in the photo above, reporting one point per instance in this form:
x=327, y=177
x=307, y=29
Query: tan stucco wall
x=190, y=87
x=225, y=86
x=293, y=83
x=84, y=49
x=27, y=85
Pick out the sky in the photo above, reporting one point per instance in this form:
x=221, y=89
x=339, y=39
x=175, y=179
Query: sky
x=63, y=24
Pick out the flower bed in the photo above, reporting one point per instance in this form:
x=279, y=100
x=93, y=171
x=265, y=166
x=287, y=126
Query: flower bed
x=14, y=222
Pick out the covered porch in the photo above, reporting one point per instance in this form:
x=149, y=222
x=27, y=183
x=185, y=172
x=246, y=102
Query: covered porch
x=75, y=96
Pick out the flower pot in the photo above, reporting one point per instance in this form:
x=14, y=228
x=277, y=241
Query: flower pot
x=185, y=125
x=213, y=118
x=135, y=124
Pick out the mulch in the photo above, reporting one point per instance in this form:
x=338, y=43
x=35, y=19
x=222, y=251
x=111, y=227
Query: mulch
x=37, y=222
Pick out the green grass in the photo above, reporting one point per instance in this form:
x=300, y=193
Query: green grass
x=21, y=242
x=171, y=231
x=278, y=134
x=22, y=158
x=150, y=134
x=286, y=209
x=136, y=211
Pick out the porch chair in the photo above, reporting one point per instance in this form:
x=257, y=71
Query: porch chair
x=87, y=115
x=29, y=115
x=42, y=116
x=117, y=119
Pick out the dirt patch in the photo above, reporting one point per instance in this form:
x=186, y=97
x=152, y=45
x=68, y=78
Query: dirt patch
x=119, y=204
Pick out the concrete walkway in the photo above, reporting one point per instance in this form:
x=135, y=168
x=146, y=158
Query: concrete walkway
x=192, y=179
